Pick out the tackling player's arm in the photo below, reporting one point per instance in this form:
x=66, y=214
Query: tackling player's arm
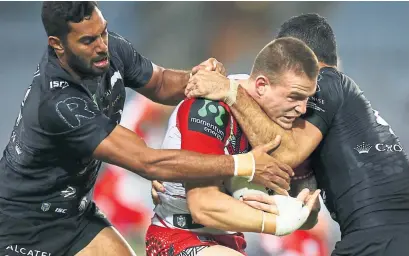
x=207, y=204
x=70, y=117
x=74, y=120
x=161, y=85
x=125, y=149
x=296, y=144
x=307, y=132
x=300, y=141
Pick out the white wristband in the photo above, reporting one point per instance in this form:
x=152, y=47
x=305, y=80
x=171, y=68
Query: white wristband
x=263, y=222
x=232, y=94
x=236, y=163
x=253, y=171
x=244, y=165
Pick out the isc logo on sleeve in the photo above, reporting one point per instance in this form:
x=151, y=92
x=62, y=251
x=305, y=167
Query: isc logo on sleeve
x=58, y=84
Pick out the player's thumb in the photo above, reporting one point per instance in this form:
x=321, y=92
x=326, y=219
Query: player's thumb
x=272, y=145
x=313, y=198
x=303, y=195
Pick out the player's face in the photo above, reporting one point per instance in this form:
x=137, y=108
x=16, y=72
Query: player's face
x=86, y=48
x=286, y=101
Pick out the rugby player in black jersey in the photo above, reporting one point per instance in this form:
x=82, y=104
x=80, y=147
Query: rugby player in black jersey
x=358, y=161
x=69, y=122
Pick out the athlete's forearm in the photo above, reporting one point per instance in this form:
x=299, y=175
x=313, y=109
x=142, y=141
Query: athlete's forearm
x=125, y=149
x=217, y=210
x=172, y=86
x=181, y=165
x=260, y=129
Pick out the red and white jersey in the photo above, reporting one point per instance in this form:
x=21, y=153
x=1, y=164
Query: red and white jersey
x=202, y=126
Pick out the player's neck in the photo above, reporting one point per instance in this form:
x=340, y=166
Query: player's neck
x=67, y=68
x=246, y=84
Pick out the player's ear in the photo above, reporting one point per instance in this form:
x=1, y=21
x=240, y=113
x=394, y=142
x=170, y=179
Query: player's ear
x=261, y=85
x=57, y=44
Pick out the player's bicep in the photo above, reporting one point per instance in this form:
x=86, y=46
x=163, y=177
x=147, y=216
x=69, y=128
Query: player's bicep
x=151, y=89
x=74, y=120
x=307, y=135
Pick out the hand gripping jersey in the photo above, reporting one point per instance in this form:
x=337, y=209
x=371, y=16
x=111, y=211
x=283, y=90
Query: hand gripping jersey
x=47, y=170
x=202, y=126
x=360, y=164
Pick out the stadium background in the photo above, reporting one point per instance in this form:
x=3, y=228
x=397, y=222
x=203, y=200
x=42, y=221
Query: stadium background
x=372, y=42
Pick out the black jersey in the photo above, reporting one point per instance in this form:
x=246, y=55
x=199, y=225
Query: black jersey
x=47, y=168
x=360, y=164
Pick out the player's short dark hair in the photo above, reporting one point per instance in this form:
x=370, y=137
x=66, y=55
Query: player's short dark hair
x=56, y=15
x=285, y=54
x=315, y=31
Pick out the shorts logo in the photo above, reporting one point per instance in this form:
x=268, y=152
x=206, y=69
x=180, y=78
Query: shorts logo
x=45, y=207
x=208, y=117
x=181, y=221
x=75, y=110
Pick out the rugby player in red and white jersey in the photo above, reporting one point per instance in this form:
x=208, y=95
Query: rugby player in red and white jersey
x=201, y=218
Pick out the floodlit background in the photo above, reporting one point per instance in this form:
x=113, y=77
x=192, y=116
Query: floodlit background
x=372, y=37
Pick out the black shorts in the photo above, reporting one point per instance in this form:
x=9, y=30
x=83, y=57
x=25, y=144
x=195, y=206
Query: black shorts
x=379, y=241
x=60, y=237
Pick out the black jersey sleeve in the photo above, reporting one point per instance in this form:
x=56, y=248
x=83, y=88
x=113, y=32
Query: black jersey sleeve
x=70, y=116
x=323, y=106
x=137, y=69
